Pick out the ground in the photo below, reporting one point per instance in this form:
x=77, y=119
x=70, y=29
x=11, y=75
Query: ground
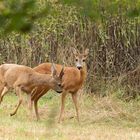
x=105, y=118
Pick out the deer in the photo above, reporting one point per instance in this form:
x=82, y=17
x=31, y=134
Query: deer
x=24, y=79
x=72, y=81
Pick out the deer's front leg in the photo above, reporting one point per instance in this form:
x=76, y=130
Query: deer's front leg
x=63, y=97
x=18, y=92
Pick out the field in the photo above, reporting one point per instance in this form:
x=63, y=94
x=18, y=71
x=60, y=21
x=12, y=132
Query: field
x=38, y=31
x=106, y=118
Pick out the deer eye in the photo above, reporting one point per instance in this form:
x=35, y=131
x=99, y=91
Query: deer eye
x=83, y=60
x=76, y=60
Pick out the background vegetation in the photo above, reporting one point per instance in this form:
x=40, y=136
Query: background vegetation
x=37, y=31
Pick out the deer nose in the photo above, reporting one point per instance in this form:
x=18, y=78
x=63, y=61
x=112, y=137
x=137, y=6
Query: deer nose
x=79, y=67
x=59, y=91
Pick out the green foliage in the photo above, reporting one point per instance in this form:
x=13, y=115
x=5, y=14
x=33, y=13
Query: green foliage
x=20, y=15
x=97, y=10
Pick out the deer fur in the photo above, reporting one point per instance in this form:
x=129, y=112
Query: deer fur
x=72, y=80
x=23, y=78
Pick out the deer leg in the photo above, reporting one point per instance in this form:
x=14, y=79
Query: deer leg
x=30, y=102
x=36, y=101
x=33, y=93
x=1, y=89
x=36, y=109
x=5, y=90
x=30, y=105
x=31, y=109
x=18, y=92
x=63, y=97
x=74, y=98
x=38, y=94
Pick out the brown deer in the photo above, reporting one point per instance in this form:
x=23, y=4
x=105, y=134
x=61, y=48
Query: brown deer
x=23, y=78
x=72, y=81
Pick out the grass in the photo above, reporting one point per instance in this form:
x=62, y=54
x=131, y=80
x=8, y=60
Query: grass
x=107, y=118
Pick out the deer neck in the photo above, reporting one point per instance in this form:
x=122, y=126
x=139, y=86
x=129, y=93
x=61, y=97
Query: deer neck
x=41, y=79
x=83, y=73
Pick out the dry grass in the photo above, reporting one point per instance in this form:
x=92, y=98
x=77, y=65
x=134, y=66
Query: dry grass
x=101, y=119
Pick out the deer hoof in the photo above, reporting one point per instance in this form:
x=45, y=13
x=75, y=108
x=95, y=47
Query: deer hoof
x=11, y=114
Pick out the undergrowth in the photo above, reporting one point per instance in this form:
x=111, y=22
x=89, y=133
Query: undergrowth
x=103, y=118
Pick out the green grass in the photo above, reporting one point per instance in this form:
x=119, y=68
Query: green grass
x=106, y=118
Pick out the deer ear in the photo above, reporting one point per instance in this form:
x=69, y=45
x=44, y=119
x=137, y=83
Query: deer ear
x=76, y=52
x=53, y=70
x=86, y=52
x=62, y=72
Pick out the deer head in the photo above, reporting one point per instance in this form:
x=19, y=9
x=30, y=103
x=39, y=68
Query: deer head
x=57, y=79
x=80, y=58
